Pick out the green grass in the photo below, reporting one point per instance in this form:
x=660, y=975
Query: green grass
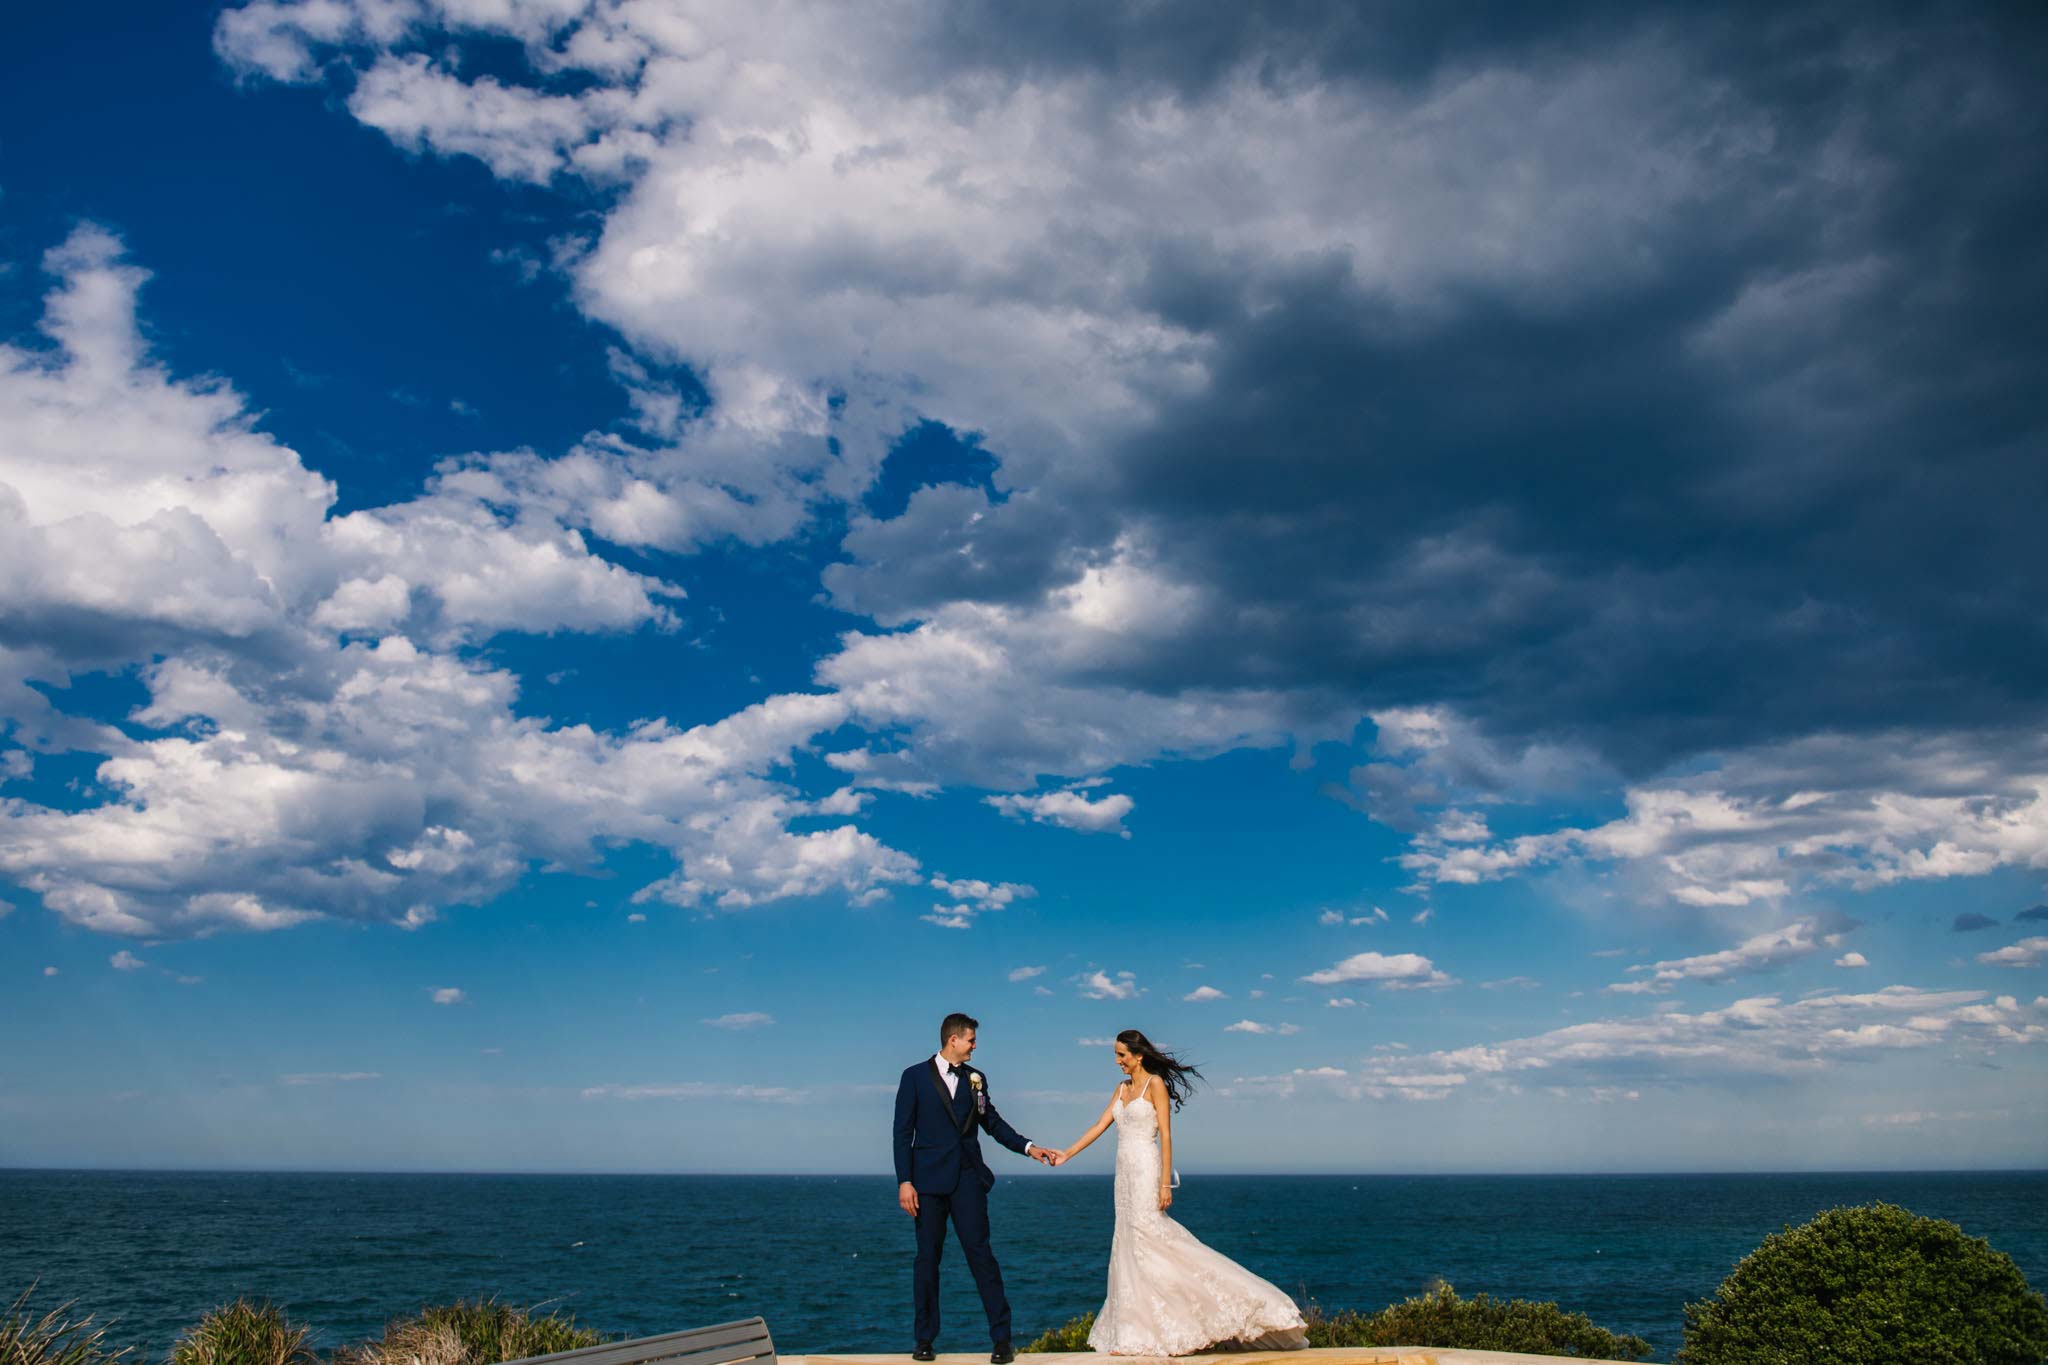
x=1480, y=1323
x=1073, y=1336
x=55, y=1338
x=244, y=1333
x=1439, y=1318
x=470, y=1332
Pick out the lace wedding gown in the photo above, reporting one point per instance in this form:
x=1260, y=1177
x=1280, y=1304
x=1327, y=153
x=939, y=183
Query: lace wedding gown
x=1169, y=1294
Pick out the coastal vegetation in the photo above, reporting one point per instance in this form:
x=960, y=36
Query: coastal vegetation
x=1480, y=1323
x=55, y=1338
x=1437, y=1318
x=1870, y=1285
x=245, y=1333
x=468, y=1332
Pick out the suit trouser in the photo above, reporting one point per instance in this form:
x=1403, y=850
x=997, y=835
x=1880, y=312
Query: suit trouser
x=967, y=1207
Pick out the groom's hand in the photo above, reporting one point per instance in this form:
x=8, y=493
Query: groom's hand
x=906, y=1195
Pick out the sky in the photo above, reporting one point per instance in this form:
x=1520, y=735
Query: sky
x=574, y=574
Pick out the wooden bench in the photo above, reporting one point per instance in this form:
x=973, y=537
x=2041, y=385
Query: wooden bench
x=729, y=1343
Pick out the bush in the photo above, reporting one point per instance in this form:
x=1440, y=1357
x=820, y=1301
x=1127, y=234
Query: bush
x=1480, y=1323
x=1072, y=1337
x=1870, y=1285
x=244, y=1333
x=470, y=1332
x=53, y=1338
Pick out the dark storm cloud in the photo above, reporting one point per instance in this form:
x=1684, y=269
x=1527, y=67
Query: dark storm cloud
x=1779, y=467
x=1969, y=923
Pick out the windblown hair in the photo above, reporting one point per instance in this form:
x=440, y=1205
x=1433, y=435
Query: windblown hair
x=1176, y=1075
x=955, y=1023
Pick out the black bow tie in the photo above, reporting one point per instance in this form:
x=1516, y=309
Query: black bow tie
x=954, y=1069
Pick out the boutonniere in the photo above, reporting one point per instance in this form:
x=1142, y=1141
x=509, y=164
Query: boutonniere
x=974, y=1079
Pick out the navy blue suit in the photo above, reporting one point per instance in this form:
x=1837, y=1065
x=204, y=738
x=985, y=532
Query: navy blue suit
x=938, y=1152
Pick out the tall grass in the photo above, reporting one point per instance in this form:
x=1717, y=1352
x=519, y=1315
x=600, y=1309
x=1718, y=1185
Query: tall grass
x=55, y=1338
x=469, y=1332
x=244, y=1333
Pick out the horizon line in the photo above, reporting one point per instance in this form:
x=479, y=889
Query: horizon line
x=1095, y=1175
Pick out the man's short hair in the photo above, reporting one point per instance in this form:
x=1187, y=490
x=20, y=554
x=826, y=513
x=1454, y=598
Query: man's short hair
x=955, y=1024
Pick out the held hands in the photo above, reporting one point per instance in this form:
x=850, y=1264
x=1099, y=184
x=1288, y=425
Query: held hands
x=1049, y=1156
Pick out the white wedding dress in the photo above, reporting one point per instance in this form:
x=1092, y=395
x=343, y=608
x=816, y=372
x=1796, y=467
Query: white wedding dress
x=1169, y=1294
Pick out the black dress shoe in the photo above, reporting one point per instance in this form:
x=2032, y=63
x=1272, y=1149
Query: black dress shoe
x=1002, y=1355
x=923, y=1352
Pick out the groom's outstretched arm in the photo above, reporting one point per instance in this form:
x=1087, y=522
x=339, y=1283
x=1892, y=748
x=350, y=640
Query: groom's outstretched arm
x=905, y=1125
x=1001, y=1131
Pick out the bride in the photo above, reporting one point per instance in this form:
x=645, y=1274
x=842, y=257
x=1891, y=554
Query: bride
x=1169, y=1294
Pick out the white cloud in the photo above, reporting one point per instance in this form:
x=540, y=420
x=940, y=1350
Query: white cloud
x=1100, y=985
x=1749, y=1038
x=1423, y=916
x=125, y=961
x=1526, y=983
x=1025, y=973
x=971, y=898
x=1345, y=1002
x=1773, y=948
x=323, y=747
x=1391, y=970
x=750, y=1019
x=2028, y=952
x=1201, y=993
x=1254, y=1026
x=636, y=918
x=1852, y=960
x=49, y=971
x=1096, y=1042
x=1330, y=917
x=1826, y=811
x=697, y=1090
x=449, y=995
x=328, y=1077
x=1069, y=809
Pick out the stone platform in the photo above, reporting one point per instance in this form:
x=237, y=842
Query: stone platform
x=1338, y=1355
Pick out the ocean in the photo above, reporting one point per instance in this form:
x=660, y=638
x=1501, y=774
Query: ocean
x=827, y=1259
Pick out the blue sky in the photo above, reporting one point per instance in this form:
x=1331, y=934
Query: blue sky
x=577, y=574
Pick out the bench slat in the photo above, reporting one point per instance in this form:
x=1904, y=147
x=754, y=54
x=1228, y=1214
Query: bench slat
x=728, y=1343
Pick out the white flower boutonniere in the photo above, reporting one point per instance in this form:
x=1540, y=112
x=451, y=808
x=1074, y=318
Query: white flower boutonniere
x=980, y=1096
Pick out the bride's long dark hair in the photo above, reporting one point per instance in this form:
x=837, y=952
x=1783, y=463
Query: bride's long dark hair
x=1176, y=1075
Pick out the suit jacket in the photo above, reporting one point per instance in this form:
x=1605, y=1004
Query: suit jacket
x=938, y=1139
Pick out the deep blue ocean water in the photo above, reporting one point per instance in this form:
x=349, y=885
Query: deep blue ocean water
x=827, y=1259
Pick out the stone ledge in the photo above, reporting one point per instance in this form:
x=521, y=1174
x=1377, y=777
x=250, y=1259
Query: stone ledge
x=1315, y=1355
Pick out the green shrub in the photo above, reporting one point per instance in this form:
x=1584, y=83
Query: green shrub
x=470, y=1332
x=244, y=1333
x=1480, y=1323
x=52, y=1339
x=1871, y=1285
x=1072, y=1337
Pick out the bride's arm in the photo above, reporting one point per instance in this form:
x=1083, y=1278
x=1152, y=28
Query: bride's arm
x=1101, y=1124
x=1164, y=1110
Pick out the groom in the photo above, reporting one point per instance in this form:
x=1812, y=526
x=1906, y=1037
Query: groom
x=940, y=1104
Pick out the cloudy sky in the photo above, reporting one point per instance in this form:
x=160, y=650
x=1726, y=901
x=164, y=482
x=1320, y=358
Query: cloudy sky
x=577, y=572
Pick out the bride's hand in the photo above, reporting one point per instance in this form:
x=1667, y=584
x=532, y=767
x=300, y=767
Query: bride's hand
x=1165, y=1197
